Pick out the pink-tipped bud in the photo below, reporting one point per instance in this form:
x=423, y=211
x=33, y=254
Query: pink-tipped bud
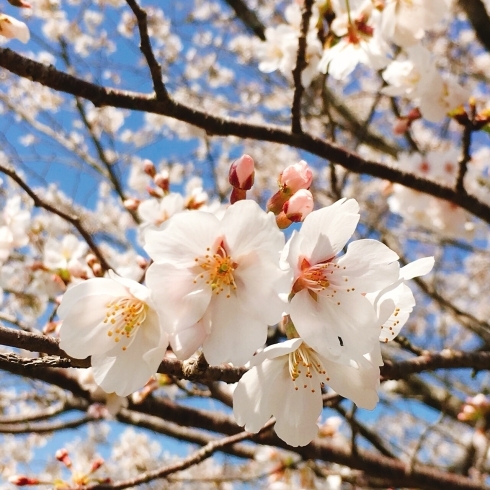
x=131, y=204
x=237, y=195
x=142, y=262
x=242, y=172
x=63, y=456
x=296, y=177
x=401, y=125
x=161, y=180
x=20, y=4
x=149, y=168
x=97, y=270
x=299, y=206
x=22, y=480
x=96, y=464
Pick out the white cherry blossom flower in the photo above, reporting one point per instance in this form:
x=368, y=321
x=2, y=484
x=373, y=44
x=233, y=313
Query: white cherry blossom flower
x=395, y=303
x=329, y=309
x=218, y=281
x=405, y=21
x=360, y=42
x=114, y=321
x=285, y=381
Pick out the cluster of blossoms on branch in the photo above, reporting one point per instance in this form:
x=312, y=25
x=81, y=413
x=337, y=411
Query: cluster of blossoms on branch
x=216, y=283
x=364, y=32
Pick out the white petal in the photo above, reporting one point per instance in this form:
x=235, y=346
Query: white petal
x=370, y=265
x=247, y=228
x=179, y=300
x=90, y=287
x=358, y=385
x=82, y=331
x=235, y=336
x=182, y=238
x=417, y=268
x=186, y=341
x=326, y=231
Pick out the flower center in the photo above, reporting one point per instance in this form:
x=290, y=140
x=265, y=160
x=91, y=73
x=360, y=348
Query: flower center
x=124, y=316
x=304, y=365
x=217, y=270
x=314, y=278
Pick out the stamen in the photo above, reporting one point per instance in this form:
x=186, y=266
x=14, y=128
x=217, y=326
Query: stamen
x=124, y=316
x=217, y=271
x=306, y=357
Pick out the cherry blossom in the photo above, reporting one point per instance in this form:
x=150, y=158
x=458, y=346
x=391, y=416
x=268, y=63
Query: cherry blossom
x=328, y=306
x=404, y=22
x=357, y=24
x=218, y=282
x=115, y=321
x=285, y=381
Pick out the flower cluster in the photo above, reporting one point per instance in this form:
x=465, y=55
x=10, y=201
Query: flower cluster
x=218, y=281
x=363, y=32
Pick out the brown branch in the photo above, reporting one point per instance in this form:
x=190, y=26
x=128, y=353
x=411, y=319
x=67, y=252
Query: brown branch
x=301, y=64
x=466, y=153
x=43, y=428
x=146, y=49
x=227, y=126
x=180, y=432
x=195, y=458
x=248, y=17
x=479, y=19
x=422, y=476
x=73, y=220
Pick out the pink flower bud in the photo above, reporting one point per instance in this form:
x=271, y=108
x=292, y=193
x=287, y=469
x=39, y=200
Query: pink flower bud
x=22, y=480
x=296, y=177
x=96, y=464
x=131, y=204
x=242, y=173
x=299, y=206
x=149, y=168
x=161, y=179
x=63, y=456
x=401, y=125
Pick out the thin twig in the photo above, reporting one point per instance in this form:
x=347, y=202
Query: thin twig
x=301, y=64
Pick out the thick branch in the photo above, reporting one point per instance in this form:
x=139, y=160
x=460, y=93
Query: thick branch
x=226, y=126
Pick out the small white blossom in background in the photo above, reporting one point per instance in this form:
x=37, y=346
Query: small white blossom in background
x=357, y=24
x=113, y=320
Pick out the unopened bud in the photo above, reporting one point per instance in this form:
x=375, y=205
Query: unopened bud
x=161, y=180
x=401, y=125
x=96, y=464
x=63, y=456
x=149, y=168
x=22, y=480
x=299, y=206
x=237, y=195
x=296, y=177
x=131, y=204
x=91, y=259
x=242, y=173
x=20, y=3
x=142, y=262
x=97, y=270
